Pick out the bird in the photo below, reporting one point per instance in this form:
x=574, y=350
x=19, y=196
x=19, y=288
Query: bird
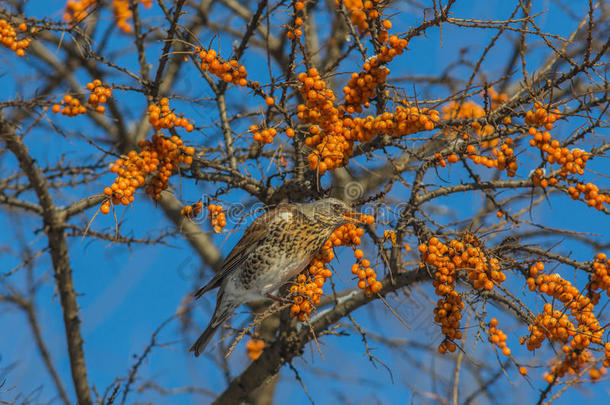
x=275, y=248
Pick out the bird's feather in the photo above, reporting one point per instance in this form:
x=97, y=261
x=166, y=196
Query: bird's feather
x=252, y=237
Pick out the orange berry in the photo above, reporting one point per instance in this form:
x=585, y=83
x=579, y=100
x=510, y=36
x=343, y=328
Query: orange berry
x=105, y=208
x=269, y=101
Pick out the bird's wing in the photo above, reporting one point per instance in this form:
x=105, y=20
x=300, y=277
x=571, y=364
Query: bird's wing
x=248, y=242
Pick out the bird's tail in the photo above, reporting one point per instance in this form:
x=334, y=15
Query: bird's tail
x=204, y=339
x=223, y=311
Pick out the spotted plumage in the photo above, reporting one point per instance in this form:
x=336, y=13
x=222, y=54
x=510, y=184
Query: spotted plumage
x=274, y=249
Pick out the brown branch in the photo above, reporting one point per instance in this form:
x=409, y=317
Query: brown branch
x=290, y=344
x=53, y=224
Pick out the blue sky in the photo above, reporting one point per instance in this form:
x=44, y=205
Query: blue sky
x=126, y=293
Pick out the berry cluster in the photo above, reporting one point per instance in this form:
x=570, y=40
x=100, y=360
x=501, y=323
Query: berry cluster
x=99, y=95
x=541, y=117
x=230, y=72
x=295, y=31
x=571, y=161
x=403, y=121
x=448, y=311
x=158, y=158
x=217, y=217
x=265, y=135
x=367, y=278
x=328, y=134
x=496, y=98
x=308, y=287
x=254, y=348
x=161, y=116
x=69, y=106
x=332, y=132
x=192, y=210
x=498, y=337
x=439, y=159
x=590, y=194
x=122, y=14
x=361, y=86
x=483, y=272
x=573, y=361
x=448, y=259
x=8, y=37
x=470, y=109
x=360, y=11
x=600, y=279
x=76, y=10
x=554, y=324
x=539, y=179
x=464, y=110
x=504, y=158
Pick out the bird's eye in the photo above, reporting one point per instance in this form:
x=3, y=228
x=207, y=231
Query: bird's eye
x=337, y=207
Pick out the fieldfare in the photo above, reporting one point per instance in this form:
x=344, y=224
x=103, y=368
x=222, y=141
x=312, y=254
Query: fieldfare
x=275, y=248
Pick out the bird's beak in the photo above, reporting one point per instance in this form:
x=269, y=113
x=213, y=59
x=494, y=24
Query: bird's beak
x=353, y=217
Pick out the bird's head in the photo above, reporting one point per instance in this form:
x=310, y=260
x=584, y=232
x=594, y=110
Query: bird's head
x=329, y=211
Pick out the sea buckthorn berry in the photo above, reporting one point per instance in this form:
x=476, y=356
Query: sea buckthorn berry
x=471, y=110
x=570, y=162
x=105, y=207
x=482, y=271
x=230, y=72
x=162, y=117
x=269, y=101
x=570, y=320
x=360, y=11
x=191, y=211
x=217, y=217
x=254, y=348
x=69, y=106
x=497, y=337
x=99, y=95
x=333, y=132
x=264, y=136
x=77, y=10
x=307, y=290
x=158, y=159
x=9, y=39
